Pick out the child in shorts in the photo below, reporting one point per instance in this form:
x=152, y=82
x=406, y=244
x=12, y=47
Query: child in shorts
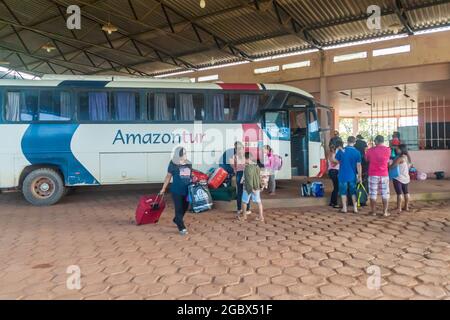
x=252, y=186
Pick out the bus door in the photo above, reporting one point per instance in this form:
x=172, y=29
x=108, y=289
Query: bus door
x=325, y=116
x=277, y=136
x=316, y=157
x=299, y=141
x=306, y=143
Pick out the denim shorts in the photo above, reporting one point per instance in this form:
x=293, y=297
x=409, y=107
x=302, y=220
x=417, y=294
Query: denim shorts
x=255, y=197
x=347, y=187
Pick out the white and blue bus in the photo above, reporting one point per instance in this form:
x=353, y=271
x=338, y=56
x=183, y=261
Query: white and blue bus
x=62, y=132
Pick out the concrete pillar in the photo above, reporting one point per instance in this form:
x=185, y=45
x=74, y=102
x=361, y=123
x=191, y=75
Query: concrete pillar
x=324, y=100
x=324, y=93
x=355, y=126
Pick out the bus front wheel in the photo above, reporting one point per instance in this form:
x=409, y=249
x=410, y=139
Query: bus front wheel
x=43, y=187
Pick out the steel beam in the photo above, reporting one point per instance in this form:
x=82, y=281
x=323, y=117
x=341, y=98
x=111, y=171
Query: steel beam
x=221, y=43
x=40, y=58
x=401, y=14
x=167, y=57
x=57, y=37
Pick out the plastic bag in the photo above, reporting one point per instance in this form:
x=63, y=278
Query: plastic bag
x=394, y=172
x=265, y=175
x=200, y=198
x=421, y=176
x=317, y=189
x=305, y=189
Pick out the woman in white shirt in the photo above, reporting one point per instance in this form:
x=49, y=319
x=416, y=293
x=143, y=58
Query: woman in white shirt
x=401, y=182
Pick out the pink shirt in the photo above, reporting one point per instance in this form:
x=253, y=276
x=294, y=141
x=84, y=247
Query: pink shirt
x=332, y=165
x=238, y=163
x=378, y=158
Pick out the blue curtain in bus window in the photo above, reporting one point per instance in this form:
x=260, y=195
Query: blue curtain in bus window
x=65, y=101
x=161, y=108
x=216, y=111
x=248, y=107
x=13, y=106
x=98, y=106
x=186, y=111
x=125, y=103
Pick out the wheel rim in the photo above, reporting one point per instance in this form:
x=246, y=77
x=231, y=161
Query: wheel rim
x=43, y=187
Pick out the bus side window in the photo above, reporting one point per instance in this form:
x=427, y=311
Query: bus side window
x=21, y=105
x=161, y=106
x=125, y=106
x=227, y=106
x=190, y=107
x=55, y=105
x=232, y=107
x=94, y=106
x=245, y=107
x=216, y=110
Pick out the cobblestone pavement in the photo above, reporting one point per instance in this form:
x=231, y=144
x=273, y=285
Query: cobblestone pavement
x=308, y=253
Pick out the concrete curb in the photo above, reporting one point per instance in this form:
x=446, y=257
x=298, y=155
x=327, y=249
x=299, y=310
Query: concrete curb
x=301, y=202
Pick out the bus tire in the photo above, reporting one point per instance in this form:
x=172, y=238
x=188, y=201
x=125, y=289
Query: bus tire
x=43, y=187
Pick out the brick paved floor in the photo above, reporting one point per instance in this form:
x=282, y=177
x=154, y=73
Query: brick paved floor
x=308, y=253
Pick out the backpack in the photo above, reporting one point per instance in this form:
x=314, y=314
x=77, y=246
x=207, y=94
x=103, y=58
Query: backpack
x=277, y=162
x=361, y=194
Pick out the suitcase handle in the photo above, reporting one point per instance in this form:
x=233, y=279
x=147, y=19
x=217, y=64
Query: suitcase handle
x=159, y=198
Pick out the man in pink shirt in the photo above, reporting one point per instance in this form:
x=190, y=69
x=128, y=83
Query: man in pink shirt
x=378, y=158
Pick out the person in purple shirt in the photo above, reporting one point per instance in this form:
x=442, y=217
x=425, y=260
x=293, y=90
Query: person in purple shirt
x=350, y=172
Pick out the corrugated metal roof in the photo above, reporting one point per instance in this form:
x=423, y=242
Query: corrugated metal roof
x=430, y=16
x=159, y=36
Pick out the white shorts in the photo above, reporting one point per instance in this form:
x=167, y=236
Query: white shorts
x=379, y=185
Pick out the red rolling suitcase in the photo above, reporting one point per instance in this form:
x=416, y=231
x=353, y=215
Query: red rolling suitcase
x=199, y=176
x=150, y=209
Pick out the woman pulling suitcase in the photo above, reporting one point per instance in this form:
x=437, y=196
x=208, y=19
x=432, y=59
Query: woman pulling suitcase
x=180, y=169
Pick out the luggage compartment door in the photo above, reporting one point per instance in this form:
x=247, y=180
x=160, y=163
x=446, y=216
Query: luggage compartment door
x=123, y=168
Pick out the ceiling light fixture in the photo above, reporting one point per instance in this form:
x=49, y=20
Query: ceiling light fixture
x=109, y=28
x=395, y=28
x=48, y=47
x=4, y=62
x=202, y=4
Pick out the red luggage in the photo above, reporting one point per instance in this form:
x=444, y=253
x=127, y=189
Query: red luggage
x=150, y=209
x=217, y=178
x=198, y=176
